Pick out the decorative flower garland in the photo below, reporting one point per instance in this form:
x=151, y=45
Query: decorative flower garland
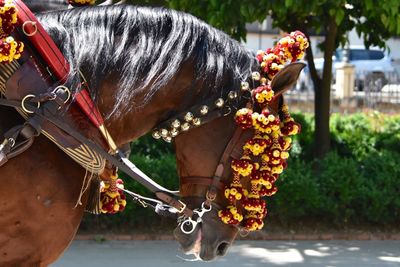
x=10, y=49
x=112, y=198
x=81, y=2
x=265, y=154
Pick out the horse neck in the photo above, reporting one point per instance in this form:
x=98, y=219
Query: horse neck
x=141, y=115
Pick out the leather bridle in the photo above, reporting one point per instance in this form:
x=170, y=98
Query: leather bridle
x=213, y=184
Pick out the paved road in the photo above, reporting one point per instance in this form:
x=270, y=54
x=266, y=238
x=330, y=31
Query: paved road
x=243, y=253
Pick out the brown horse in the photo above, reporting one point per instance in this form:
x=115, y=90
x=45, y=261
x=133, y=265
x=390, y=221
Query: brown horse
x=144, y=66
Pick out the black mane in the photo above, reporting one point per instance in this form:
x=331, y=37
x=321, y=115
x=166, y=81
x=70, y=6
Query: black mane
x=147, y=46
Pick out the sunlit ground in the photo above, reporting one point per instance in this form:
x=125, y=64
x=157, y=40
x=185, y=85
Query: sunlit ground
x=329, y=253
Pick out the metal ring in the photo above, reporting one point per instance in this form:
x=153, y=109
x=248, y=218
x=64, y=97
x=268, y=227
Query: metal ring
x=34, y=25
x=23, y=103
x=190, y=223
x=12, y=141
x=243, y=232
x=66, y=89
x=203, y=206
x=210, y=197
x=228, y=111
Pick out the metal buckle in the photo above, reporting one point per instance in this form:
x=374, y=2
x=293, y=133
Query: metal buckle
x=210, y=196
x=65, y=89
x=183, y=207
x=189, y=225
x=23, y=103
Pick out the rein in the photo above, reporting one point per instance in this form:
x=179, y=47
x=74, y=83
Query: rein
x=119, y=159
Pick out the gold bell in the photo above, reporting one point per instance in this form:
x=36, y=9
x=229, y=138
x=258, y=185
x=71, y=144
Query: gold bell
x=156, y=134
x=196, y=121
x=164, y=133
x=189, y=116
x=244, y=86
x=256, y=76
x=185, y=126
x=174, y=132
x=232, y=95
x=168, y=139
x=176, y=123
x=203, y=110
x=219, y=103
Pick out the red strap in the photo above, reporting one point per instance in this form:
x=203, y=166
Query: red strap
x=85, y=102
x=46, y=47
x=53, y=57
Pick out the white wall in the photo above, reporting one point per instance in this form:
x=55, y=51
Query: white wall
x=257, y=41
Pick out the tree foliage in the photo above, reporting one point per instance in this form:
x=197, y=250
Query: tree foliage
x=333, y=19
x=376, y=22
x=229, y=16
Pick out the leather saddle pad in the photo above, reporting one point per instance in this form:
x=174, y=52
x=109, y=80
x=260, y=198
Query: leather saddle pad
x=31, y=78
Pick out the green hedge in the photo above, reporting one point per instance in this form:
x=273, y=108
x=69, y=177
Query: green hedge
x=358, y=183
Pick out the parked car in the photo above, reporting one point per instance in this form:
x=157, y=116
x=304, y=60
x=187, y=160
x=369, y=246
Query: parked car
x=372, y=66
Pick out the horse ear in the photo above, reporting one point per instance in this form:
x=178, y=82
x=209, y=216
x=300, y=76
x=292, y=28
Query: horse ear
x=286, y=78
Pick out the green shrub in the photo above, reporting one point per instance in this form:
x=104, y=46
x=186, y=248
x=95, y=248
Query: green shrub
x=381, y=174
x=357, y=182
x=345, y=192
x=298, y=193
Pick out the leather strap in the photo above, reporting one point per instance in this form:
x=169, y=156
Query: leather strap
x=214, y=183
x=7, y=152
x=201, y=180
x=119, y=160
x=36, y=34
x=177, y=204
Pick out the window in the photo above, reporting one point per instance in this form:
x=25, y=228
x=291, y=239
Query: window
x=360, y=54
x=376, y=55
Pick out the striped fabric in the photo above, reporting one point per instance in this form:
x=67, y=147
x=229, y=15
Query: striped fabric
x=6, y=71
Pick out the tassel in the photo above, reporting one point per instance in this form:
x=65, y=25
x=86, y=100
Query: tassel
x=93, y=203
x=112, y=198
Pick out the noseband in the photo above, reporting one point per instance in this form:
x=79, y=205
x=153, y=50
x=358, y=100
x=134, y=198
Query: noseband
x=213, y=184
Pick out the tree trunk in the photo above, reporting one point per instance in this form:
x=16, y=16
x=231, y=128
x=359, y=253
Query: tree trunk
x=322, y=95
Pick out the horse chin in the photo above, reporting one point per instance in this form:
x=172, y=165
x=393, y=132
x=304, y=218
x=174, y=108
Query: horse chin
x=190, y=243
x=204, y=243
x=195, y=249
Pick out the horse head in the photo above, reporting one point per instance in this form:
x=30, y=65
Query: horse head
x=200, y=152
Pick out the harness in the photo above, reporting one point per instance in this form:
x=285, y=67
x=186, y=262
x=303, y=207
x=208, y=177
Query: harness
x=50, y=109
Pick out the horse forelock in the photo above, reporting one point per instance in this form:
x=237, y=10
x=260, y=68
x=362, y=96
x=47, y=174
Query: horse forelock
x=147, y=47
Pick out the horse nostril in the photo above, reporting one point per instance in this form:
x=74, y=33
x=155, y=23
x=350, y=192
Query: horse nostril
x=222, y=248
